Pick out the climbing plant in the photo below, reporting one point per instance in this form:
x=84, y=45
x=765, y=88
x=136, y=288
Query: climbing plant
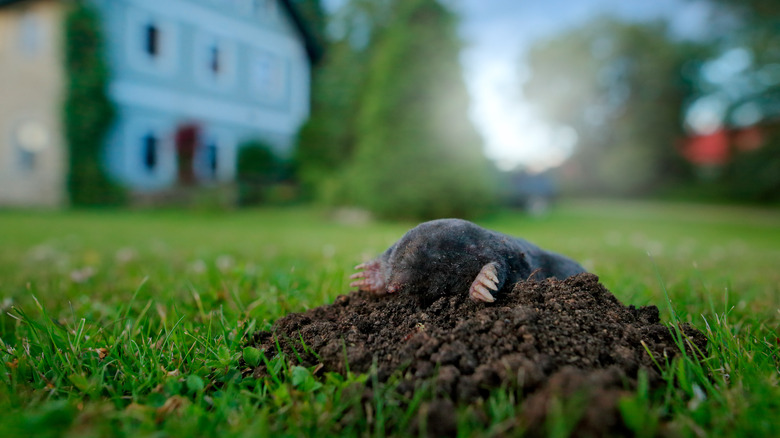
x=87, y=111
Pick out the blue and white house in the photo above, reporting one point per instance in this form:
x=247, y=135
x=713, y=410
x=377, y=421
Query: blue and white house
x=194, y=75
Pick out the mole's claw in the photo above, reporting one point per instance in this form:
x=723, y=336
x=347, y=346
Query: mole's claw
x=480, y=293
x=486, y=280
x=488, y=283
x=372, y=278
x=358, y=284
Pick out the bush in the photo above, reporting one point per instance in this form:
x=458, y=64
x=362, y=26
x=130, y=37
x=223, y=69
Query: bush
x=754, y=176
x=260, y=174
x=326, y=141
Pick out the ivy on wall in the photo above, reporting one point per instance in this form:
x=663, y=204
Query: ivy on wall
x=87, y=113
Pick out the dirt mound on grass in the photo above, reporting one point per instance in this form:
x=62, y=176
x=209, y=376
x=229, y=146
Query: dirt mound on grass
x=551, y=338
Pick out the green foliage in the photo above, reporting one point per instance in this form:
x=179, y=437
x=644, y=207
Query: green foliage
x=252, y=356
x=258, y=171
x=314, y=16
x=257, y=161
x=327, y=140
x=621, y=87
x=754, y=176
x=750, y=95
x=417, y=154
x=389, y=129
x=87, y=113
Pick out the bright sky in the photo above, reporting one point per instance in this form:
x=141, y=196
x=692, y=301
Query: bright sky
x=499, y=32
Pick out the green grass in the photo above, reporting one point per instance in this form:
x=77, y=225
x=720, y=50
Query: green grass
x=133, y=323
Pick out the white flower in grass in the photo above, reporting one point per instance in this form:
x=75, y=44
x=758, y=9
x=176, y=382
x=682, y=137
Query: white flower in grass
x=225, y=263
x=250, y=269
x=125, y=255
x=83, y=274
x=42, y=253
x=198, y=266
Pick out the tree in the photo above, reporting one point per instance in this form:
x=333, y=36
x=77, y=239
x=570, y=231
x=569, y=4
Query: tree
x=621, y=87
x=88, y=112
x=751, y=33
x=743, y=77
x=327, y=140
x=314, y=16
x=417, y=153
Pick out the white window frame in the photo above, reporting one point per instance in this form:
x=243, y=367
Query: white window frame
x=38, y=150
x=225, y=144
x=226, y=78
x=276, y=91
x=135, y=134
x=271, y=8
x=30, y=33
x=166, y=62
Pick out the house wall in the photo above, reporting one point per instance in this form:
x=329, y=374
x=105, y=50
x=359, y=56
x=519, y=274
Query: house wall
x=261, y=89
x=32, y=154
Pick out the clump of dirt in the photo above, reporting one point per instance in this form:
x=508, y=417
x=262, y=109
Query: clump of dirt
x=550, y=338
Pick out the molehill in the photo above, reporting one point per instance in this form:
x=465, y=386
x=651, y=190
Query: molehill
x=550, y=338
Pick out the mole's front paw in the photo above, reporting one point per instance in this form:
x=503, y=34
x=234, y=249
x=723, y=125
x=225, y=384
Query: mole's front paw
x=486, y=280
x=370, y=279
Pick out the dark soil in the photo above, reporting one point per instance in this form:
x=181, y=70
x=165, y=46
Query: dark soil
x=550, y=338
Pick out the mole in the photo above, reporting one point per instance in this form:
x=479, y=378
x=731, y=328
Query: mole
x=446, y=256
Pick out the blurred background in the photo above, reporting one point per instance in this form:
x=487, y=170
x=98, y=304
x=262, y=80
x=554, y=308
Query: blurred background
x=407, y=109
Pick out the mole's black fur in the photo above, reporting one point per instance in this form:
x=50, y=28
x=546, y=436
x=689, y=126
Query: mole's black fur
x=444, y=256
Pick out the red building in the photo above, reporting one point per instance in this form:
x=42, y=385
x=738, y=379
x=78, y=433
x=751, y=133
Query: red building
x=718, y=148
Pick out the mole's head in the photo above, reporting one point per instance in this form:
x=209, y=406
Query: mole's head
x=435, y=258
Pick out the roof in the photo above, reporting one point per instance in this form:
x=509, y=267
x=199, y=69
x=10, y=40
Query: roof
x=313, y=47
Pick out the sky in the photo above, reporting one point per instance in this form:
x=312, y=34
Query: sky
x=498, y=33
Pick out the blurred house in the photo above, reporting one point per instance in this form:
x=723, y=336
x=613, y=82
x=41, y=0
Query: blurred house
x=191, y=77
x=533, y=192
x=717, y=148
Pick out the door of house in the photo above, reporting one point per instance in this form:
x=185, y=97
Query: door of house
x=187, y=140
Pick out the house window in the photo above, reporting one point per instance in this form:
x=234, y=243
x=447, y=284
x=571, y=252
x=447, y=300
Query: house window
x=268, y=77
x=152, y=40
x=247, y=6
x=214, y=59
x=26, y=159
x=150, y=151
x=30, y=34
x=32, y=138
x=212, y=160
x=255, y=6
x=270, y=6
x=262, y=8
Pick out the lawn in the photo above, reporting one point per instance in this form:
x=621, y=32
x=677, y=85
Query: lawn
x=134, y=322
